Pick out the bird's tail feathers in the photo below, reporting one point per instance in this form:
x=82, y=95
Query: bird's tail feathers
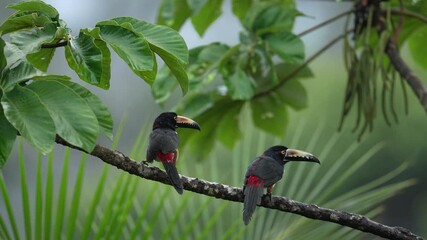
x=252, y=198
x=174, y=176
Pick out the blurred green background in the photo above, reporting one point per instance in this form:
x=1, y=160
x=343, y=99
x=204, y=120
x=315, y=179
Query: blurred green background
x=311, y=129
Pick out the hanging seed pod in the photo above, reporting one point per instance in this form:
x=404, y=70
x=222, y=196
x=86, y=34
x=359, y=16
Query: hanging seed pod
x=405, y=95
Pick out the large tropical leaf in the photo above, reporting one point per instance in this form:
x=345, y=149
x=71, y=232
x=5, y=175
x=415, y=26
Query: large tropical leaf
x=8, y=136
x=3, y=60
x=132, y=48
x=101, y=111
x=164, y=41
x=42, y=58
x=74, y=120
x=30, y=41
x=13, y=54
x=24, y=110
x=20, y=21
x=105, y=57
x=89, y=60
x=17, y=74
x=38, y=6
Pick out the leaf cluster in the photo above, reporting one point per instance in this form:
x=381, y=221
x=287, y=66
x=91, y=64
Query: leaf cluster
x=39, y=106
x=225, y=78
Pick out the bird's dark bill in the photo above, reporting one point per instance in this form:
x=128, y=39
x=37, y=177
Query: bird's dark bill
x=298, y=155
x=185, y=122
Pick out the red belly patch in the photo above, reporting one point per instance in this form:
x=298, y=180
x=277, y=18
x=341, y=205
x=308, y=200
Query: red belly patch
x=254, y=181
x=166, y=157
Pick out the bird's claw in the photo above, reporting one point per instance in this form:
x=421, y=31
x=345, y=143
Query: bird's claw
x=268, y=195
x=145, y=163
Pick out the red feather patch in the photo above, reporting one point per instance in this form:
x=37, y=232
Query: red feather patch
x=254, y=181
x=166, y=157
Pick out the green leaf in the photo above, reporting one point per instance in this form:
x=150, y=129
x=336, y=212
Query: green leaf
x=8, y=136
x=3, y=60
x=284, y=70
x=13, y=54
x=20, y=73
x=30, y=41
x=164, y=41
x=204, y=139
x=212, y=53
x=229, y=125
x=195, y=105
x=417, y=46
x=240, y=85
x=105, y=57
x=89, y=60
x=24, y=110
x=240, y=8
x=38, y=6
x=167, y=43
x=74, y=120
x=103, y=116
x=42, y=58
x=173, y=13
x=269, y=114
x=132, y=48
x=163, y=86
x=205, y=12
x=206, y=62
x=410, y=25
x=223, y=113
x=294, y=94
x=270, y=17
x=18, y=22
x=287, y=46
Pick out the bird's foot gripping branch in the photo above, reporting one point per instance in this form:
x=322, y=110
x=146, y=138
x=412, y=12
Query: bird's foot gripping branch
x=229, y=193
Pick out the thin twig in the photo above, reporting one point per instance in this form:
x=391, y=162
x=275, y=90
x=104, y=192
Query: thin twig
x=225, y=192
x=420, y=17
x=400, y=23
x=326, y=22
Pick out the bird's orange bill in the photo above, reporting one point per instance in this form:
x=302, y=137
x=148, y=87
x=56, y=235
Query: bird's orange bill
x=185, y=122
x=298, y=155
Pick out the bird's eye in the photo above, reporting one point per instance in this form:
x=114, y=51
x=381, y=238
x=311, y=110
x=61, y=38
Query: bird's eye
x=283, y=152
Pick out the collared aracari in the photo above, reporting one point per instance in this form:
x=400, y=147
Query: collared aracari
x=265, y=171
x=163, y=144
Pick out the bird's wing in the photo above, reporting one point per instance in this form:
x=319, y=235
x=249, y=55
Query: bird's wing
x=267, y=169
x=161, y=140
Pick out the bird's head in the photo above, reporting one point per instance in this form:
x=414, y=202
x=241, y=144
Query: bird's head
x=284, y=155
x=173, y=121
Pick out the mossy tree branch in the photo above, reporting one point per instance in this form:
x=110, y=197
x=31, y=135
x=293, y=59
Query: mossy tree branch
x=225, y=192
